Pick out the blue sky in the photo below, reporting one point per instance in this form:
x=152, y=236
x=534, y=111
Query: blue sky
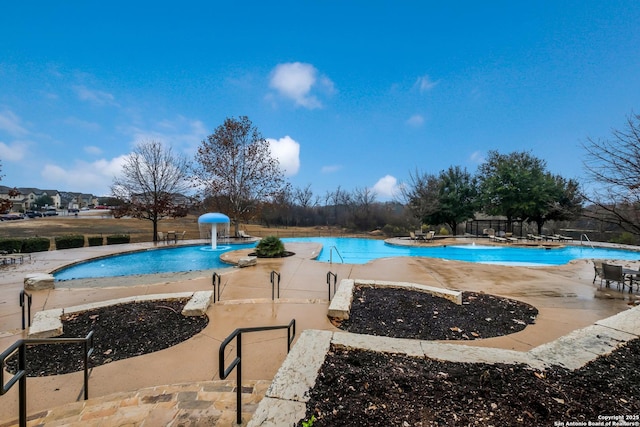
x=350, y=93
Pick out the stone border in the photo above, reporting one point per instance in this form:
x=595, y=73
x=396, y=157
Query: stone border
x=341, y=303
x=285, y=401
x=48, y=323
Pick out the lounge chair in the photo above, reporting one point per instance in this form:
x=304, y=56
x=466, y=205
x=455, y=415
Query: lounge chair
x=430, y=235
x=162, y=237
x=497, y=238
x=243, y=235
x=412, y=236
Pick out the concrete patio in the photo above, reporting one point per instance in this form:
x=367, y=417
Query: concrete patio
x=184, y=378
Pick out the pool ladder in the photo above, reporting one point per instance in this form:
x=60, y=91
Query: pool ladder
x=331, y=249
x=587, y=239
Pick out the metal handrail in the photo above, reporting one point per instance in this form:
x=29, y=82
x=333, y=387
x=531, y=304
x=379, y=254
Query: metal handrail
x=23, y=294
x=335, y=280
x=331, y=255
x=587, y=238
x=275, y=274
x=237, y=362
x=215, y=279
x=21, y=374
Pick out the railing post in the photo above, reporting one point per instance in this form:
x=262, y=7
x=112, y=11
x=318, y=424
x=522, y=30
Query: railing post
x=215, y=279
x=275, y=274
x=22, y=298
x=335, y=280
x=22, y=386
x=239, y=380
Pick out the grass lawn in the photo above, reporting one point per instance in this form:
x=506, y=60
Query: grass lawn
x=96, y=223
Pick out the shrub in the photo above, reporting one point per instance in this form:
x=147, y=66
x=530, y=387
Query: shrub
x=116, y=239
x=11, y=245
x=270, y=247
x=70, y=241
x=625, y=238
x=443, y=231
x=95, y=241
x=35, y=244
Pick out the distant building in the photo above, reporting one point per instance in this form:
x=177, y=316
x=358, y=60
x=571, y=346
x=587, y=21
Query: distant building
x=26, y=199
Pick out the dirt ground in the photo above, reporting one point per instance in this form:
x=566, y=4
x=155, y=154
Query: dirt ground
x=96, y=223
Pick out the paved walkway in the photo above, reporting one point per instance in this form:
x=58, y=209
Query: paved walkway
x=564, y=295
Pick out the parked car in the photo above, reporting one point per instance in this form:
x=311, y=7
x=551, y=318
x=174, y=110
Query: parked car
x=51, y=212
x=33, y=214
x=74, y=210
x=10, y=217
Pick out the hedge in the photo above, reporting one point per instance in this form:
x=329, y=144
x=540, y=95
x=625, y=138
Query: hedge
x=35, y=244
x=116, y=239
x=69, y=241
x=11, y=245
x=95, y=240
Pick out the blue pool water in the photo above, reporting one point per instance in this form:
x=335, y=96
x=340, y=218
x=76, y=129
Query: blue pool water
x=183, y=258
x=338, y=249
x=360, y=251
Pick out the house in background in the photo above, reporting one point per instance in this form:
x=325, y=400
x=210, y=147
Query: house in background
x=27, y=196
x=77, y=200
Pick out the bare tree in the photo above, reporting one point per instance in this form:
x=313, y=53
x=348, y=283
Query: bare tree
x=6, y=205
x=613, y=166
x=236, y=169
x=304, y=197
x=151, y=182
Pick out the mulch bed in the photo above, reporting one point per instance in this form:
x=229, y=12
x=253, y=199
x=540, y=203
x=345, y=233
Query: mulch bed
x=401, y=313
x=120, y=331
x=366, y=388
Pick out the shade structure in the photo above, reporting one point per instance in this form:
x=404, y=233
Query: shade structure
x=214, y=218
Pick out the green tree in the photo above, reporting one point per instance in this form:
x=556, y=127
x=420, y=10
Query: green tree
x=564, y=201
x=237, y=171
x=151, y=184
x=513, y=185
x=42, y=201
x=457, y=198
x=448, y=198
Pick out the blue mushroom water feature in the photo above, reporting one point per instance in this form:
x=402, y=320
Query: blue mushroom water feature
x=214, y=219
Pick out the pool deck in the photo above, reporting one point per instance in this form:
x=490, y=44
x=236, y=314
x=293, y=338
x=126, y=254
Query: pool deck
x=181, y=383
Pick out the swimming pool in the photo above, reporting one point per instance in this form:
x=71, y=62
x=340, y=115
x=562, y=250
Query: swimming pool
x=337, y=249
x=165, y=260
x=360, y=251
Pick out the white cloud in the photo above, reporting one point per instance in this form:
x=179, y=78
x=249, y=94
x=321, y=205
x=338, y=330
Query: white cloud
x=386, y=187
x=477, y=157
x=91, y=177
x=425, y=84
x=296, y=80
x=13, y=152
x=287, y=151
x=181, y=133
x=91, y=149
x=10, y=123
x=416, y=120
x=96, y=97
x=331, y=168
x=82, y=124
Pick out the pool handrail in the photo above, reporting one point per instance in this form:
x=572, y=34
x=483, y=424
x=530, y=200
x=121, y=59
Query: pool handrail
x=587, y=239
x=331, y=254
x=237, y=362
x=20, y=376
